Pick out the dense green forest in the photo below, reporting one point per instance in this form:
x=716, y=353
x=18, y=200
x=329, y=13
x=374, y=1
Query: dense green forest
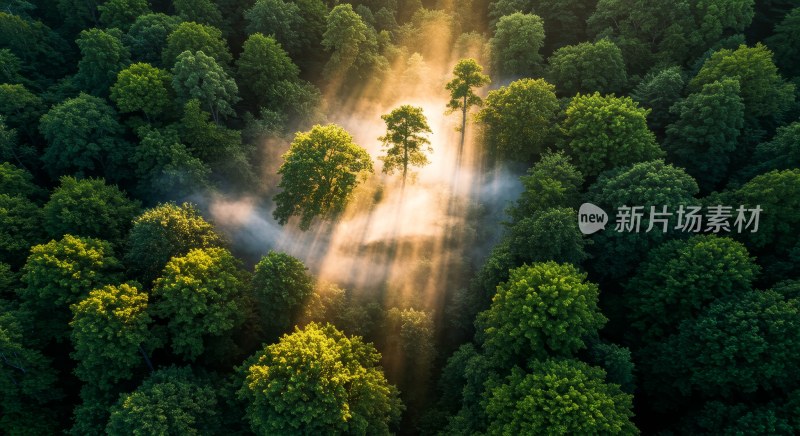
x=283, y=217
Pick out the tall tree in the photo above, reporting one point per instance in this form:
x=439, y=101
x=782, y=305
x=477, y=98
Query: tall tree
x=147, y=37
x=193, y=37
x=516, y=44
x=83, y=136
x=568, y=65
x=163, y=232
x=143, y=87
x=658, y=91
x=319, y=173
x=197, y=76
x=103, y=55
x=605, y=132
x=519, y=119
x=405, y=140
x=90, y=208
x=467, y=75
x=317, y=380
x=281, y=285
x=263, y=65
x=109, y=328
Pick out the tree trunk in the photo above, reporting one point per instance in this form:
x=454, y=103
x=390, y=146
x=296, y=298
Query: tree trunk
x=463, y=126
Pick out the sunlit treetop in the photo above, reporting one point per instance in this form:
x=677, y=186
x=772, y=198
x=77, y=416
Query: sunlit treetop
x=405, y=140
x=468, y=75
x=319, y=173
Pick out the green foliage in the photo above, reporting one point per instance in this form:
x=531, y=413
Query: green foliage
x=317, y=380
x=143, y=87
x=405, y=140
x=568, y=65
x=559, y=396
x=785, y=42
x=297, y=25
x=169, y=401
x=103, y=55
x=83, y=136
x=344, y=35
x=147, y=37
x=89, y=208
x=200, y=295
x=20, y=228
x=197, y=76
x=28, y=381
x=705, y=136
x=552, y=234
x=17, y=182
x=781, y=153
x=658, y=91
x=682, y=277
x=281, y=285
x=616, y=361
x=122, y=13
x=606, y=132
x=739, y=345
x=91, y=415
x=516, y=44
x=165, y=166
x=61, y=273
x=193, y=37
x=741, y=418
x=778, y=194
x=21, y=108
x=163, y=232
x=11, y=150
x=263, y=65
x=467, y=75
x=545, y=309
x=199, y=11
x=41, y=50
x=10, y=67
x=763, y=90
x=108, y=327
x=519, y=118
x=645, y=184
x=552, y=182
x=319, y=173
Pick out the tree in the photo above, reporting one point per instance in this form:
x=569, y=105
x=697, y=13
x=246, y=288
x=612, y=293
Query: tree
x=518, y=118
x=763, y=90
x=83, y=136
x=164, y=165
x=28, y=382
x=143, y=87
x=198, y=11
x=17, y=182
x=682, y=277
x=405, y=140
x=163, y=232
x=516, y=44
x=12, y=65
x=707, y=131
x=785, y=42
x=344, y=34
x=659, y=91
x=193, y=37
x=319, y=173
x=546, y=309
x=646, y=184
x=89, y=208
x=467, y=75
x=263, y=65
x=552, y=182
x=740, y=345
x=199, y=295
x=197, y=76
x=20, y=227
x=21, y=109
x=11, y=150
x=109, y=327
x=564, y=396
x=567, y=67
x=781, y=153
x=147, y=37
x=281, y=285
x=169, y=401
x=316, y=380
x=122, y=13
x=551, y=234
x=103, y=55
x=60, y=273
x=605, y=132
